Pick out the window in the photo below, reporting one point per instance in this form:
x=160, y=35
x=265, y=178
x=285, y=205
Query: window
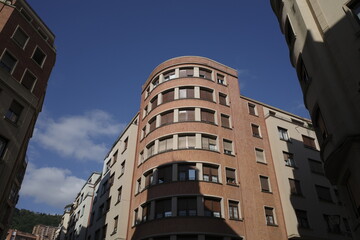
x=186, y=237
x=26, y=15
x=289, y=159
x=208, y=142
x=20, y=37
x=167, y=117
x=297, y=122
x=187, y=172
x=186, y=141
x=225, y=121
x=228, y=147
x=289, y=34
x=320, y=124
x=141, y=157
x=234, y=210
x=252, y=109
x=111, y=180
x=333, y=223
x=145, y=111
x=39, y=56
x=138, y=185
x=104, y=187
x=14, y=112
x=107, y=167
x=207, y=116
x=100, y=211
x=126, y=143
x=163, y=208
x=119, y=194
x=269, y=215
x=230, y=176
x=206, y=94
x=169, y=75
x=122, y=168
x=3, y=144
x=309, y=142
x=186, y=114
x=264, y=183
x=149, y=179
x=116, y=220
x=152, y=124
x=302, y=219
x=283, y=134
x=255, y=130
x=108, y=204
x=316, y=167
x=355, y=8
x=165, y=174
x=168, y=96
x=186, y=72
x=136, y=217
x=103, y=233
x=204, y=73
x=115, y=156
x=187, y=206
x=259, y=154
x=165, y=144
x=295, y=187
x=210, y=173
x=146, y=212
x=222, y=99
x=155, y=82
x=323, y=193
x=220, y=79
x=150, y=149
x=8, y=62
x=186, y=92
x=212, y=207
x=303, y=74
x=154, y=103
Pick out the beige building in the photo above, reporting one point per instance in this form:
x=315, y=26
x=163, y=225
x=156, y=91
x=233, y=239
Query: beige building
x=63, y=226
x=43, y=232
x=14, y=234
x=323, y=40
x=27, y=56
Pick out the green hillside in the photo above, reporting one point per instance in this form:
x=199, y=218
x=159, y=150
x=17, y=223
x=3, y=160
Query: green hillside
x=24, y=220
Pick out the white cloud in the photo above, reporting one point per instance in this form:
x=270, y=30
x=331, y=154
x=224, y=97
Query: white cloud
x=53, y=186
x=78, y=136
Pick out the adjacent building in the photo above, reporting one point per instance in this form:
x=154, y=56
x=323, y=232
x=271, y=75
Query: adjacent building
x=323, y=40
x=14, y=234
x=43, y=232
x=27, y=56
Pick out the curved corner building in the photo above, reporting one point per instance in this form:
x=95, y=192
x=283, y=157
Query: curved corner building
x=195, y=167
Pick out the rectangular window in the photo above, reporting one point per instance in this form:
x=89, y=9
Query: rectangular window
x=186, y=115
x=186, y=141
x=289, y=34
x=283, y=134
x=14, y=112
x=166, y=144
x=210, y=173
x=355, y=8
x=26, y=15
x=206, y=94
x=220, y=79
x=136, y=217
x=333, y=223
x=3, y=144
x=208, y=142
x=168, y=96
x=212, y=207
x=186, y=72
x=255, y=130
x=269, y=215
x=302, y=218
x=187, y=206
x=309, y=142
x=264, y=183
x=252, y=109
x=39, y=56
x=222, y=99
x=8, y=62
x=150, y=149
x=115, y=156
x=259, y=153
x=149, y=179
x=152, y=124
x=234, y=210
x=321, y=125
x=154, y=103
x=116, y=220
x=187, y=172
x=146, y=212
x=289, y=159
x=20, y=37
x=119, y=194
x=295, y=187
x=186, y=93
x=126, y=141
x=204, y=73
x=163, y=208
x=169, y=75
x=167, y=118
x=323, y=193
x=228, y=147
x=138, y=185
x=225, y=121
x=122, y=168
x=165, y=174
x=316, y=167
x=207, y=116
x=230, y=176
x=155, y=82
x=108, y=204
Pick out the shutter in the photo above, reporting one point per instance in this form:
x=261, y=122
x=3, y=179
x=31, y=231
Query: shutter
x=162, y=145
x=259, y=155
x=169, y=143
x=190, y=115
x=230, y=173
x=255, y=130
x=183, y=73
x=206, y=170
x=264, y=183
x=182, y=142
x=228, y=146
x=190, y=92
x=191, y=141
x=225, y=121
x=222, y=99
x=216, y=205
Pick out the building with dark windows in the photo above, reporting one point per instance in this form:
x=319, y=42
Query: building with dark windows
x=27, y=56
x=200, y=161
x=323, y=40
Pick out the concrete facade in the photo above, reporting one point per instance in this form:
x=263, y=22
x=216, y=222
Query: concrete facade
x=323, y=40
x=27, y=56
x=14, y=234
x=43, y=232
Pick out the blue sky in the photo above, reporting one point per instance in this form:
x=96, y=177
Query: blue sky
x=105, y=52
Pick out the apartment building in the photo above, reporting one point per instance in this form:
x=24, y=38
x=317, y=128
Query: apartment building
x=43, y=232
x=14, y=234
x=79, y=215
x=323, y=40
x=63, y=226
x=27, y=56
